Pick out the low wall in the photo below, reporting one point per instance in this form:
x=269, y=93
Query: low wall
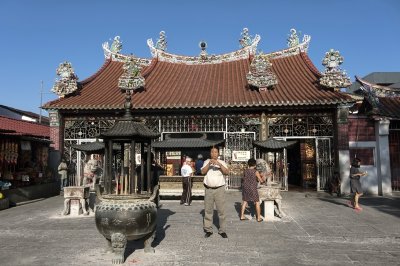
x=172, y=186
x=17, y=195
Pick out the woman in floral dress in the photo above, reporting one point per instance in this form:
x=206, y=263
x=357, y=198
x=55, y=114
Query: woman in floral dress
x=249, y=189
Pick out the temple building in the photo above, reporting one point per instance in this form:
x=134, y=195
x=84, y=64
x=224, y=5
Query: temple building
x=242, y=98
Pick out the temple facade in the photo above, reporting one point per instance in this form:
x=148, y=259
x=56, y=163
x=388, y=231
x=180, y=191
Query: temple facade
x=238, y=97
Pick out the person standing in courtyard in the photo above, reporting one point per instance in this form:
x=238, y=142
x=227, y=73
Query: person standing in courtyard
x=355, y=184
x=63, y=172
x=199, y=164
x=249, y=189
x=214, y=170
x=187, y=173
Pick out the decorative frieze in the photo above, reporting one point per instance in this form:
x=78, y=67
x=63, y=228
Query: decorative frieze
x=249, y=49
x=260, y=74
x=334, y=76
x=131, y=79
x=68, y=81
x=295, y=47
x=247, y=42
x=114, y=54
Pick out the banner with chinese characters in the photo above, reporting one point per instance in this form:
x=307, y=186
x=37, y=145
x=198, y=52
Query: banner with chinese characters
x=54, y=119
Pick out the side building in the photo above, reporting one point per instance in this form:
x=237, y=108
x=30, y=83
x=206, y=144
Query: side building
x=375, y=130
x=26, y=172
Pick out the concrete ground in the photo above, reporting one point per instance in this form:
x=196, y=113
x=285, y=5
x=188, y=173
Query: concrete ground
x=318, y=229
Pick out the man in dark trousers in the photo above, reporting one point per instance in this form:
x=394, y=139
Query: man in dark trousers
x=214, y=183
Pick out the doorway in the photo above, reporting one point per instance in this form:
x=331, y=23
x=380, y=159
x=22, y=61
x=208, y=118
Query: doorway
x=294, y=165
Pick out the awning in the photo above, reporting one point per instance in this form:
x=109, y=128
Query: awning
x=274, y=144
x=93, y=147
x=183, y=143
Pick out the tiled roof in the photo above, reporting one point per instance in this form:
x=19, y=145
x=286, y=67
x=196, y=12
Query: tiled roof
x=90, y=147
x=378, y=78
x=95, y=146
x=274, y=144
x=130, y=129
x=21, y=114
x=389, y=107
x=175, y=143
x=23, y=128
x=183, y=86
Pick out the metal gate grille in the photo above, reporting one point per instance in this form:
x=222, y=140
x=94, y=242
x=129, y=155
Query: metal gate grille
x=239, y=141
x=324, y=163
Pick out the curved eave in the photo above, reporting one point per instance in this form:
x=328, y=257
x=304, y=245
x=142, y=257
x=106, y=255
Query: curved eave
x=86, y=107
x=256, y=105
x=204, y=106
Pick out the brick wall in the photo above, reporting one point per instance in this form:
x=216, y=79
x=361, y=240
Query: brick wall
x=55, y=137
x=361, y=129
x=343, y=137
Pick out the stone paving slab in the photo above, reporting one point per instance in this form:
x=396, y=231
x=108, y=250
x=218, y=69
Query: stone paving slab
x=318, y=229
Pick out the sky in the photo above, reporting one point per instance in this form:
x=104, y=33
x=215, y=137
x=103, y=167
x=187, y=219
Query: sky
x=36, y=36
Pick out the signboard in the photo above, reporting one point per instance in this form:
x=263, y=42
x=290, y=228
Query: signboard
x=240, y=156
x=173, y=155
x=53, y=117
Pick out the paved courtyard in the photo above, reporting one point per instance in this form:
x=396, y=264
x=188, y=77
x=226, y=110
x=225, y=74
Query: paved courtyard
x=318, y=229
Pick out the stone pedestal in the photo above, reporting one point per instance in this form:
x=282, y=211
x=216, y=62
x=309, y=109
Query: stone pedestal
x=269, y=210
x=75, y=200
x=75, y=207
x=270, y=195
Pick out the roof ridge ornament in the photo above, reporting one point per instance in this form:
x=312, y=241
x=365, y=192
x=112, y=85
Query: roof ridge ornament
x=240, y=54
x=379, y=90
x=114, y=54
x=370, y=94
x=116, y=45
x=295, y=47
x=246, y=39
x=131, y=78
x=293, y=39
x=260, y=73
x=334, y=76
x=68, y=82
x=162, y=42
x=203, y=53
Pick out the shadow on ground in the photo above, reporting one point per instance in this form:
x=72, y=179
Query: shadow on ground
x=389, y=205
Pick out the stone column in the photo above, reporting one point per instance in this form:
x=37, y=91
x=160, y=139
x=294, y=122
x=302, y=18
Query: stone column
x=383, y=157
x=343, y=153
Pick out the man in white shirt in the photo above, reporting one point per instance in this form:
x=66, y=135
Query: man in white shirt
x=214, y=170
x=187, y=172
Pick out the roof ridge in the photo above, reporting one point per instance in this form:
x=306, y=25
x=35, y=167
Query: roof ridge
x=23, y=121
x=310, y=64
x=148, y=69
x=101, y=69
